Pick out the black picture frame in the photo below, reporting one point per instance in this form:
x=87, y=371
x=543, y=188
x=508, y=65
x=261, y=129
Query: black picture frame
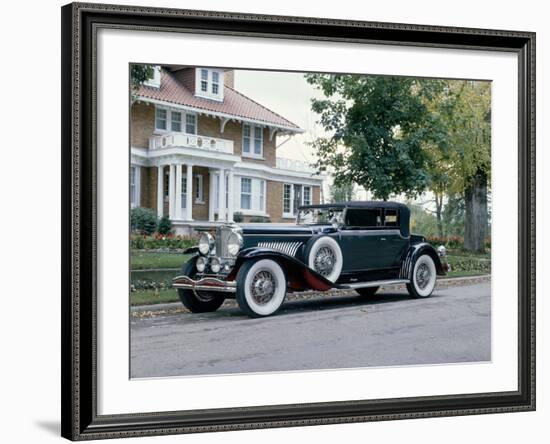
x=79, y=171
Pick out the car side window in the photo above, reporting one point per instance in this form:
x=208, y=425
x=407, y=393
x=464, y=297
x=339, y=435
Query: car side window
x=390, y=218
x=363, y=218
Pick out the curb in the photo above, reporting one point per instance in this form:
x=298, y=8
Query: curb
x=441, y=283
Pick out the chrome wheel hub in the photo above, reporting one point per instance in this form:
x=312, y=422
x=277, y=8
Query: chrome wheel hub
x=324, y=261
x=423, y=276
x=262, y=287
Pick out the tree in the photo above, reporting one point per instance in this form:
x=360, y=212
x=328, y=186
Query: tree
x=378, y=126
x=342, y=193
x=139, y=73
x=468, y=121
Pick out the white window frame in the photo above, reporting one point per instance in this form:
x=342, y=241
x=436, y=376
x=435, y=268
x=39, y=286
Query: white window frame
x=184, y=191
x=199, y=191
x=183, y=121
x=292, y=213
x=209, y=94
x=252, y=141
x=135, y=182
x=249, y=193
x=257, y=197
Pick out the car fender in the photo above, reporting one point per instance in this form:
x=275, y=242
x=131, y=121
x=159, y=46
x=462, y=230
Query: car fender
x=191, y=250
x=414, y=252
x=299, y=275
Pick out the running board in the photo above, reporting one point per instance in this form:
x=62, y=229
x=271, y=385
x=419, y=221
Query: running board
x=373, y=284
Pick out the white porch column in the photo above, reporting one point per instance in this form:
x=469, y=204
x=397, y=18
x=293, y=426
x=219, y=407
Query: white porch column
x=177, y=210
x=230, y=187
x=189, y=195
x=160, y=190
x=211, y=195
x=221, y=193
x=171, y=191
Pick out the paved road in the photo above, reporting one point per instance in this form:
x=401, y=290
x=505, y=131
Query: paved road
x=454, y=325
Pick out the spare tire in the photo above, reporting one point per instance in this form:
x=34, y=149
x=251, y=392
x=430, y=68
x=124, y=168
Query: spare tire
x=325, y=257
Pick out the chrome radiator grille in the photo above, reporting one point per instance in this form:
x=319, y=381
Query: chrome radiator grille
x=289, y=248
x=222, y=236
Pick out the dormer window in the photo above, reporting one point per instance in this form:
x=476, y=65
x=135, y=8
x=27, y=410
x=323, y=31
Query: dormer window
x=155, y=80
x=209, y=83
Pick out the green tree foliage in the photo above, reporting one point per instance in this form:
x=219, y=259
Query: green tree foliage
x=139, y=73
x=342, y=193
x=164, y=225
x=378, y=126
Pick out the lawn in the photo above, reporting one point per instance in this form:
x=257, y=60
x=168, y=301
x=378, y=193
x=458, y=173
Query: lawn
x=153, y=261
x=463, y=264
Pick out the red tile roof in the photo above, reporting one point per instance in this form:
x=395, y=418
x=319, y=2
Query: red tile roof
x=235, y=104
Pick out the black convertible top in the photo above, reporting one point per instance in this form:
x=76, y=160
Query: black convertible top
x=404, y=212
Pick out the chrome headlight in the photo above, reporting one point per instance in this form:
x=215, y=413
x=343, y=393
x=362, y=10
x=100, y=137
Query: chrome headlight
x=441, y=251
x=200, y=264
x=234, y=243
x=206, y=243
x=215, y=265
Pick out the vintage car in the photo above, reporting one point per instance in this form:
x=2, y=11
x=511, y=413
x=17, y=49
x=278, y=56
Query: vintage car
x=359, y=245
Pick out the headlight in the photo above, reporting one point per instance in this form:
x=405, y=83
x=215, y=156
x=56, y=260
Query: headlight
x=215, y=265
x=200, y=264
x=441, y=251
x=234, y=243
x=206, y=243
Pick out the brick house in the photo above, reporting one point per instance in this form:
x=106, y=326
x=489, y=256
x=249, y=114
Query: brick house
x=195, y=138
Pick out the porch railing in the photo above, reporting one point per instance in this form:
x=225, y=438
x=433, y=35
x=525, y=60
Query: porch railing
x=191, y=141
x=294, y=165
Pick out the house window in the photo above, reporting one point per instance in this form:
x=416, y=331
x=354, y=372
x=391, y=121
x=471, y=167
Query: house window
x=161, y=118
x=209, y=83
x=252, y=135
x=199, y=197
x=134, y=187
x=191, y=124
x=252, y=195
x=184, y=191
x=215, y=82
x=167, y=119
x=295, y=195
x=176, y=121
x=307, y=196
x=246, y=193
x=287, y=199
x=204, y=80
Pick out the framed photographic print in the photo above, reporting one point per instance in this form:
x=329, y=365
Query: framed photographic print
x=278, y=221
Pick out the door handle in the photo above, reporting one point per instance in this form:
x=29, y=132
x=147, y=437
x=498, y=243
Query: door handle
x=383, y=238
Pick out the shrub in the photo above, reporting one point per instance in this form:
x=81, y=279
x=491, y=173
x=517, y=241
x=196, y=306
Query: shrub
x=238, y=217
x=143, y=220
x=259, y=219
x=165, y=225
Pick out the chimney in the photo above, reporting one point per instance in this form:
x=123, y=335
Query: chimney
x=229, y=78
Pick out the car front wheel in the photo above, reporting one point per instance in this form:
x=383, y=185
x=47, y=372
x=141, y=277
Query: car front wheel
x=261, y=287
x=423, y=277
x=198, y=301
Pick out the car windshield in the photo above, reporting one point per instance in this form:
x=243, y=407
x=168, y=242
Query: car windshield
x=319, y=216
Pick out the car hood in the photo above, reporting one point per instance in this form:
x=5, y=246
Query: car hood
x=282, y=229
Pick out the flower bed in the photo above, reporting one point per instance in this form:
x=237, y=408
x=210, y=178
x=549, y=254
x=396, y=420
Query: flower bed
x=161, y=242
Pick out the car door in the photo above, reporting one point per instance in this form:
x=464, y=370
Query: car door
x=361, y=240
x=393, y=243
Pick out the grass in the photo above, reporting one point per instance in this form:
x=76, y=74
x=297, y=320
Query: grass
x=154, y=261
x=149, y=297
x=145, y=261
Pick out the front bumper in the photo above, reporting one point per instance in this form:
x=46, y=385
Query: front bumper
x=204, y=284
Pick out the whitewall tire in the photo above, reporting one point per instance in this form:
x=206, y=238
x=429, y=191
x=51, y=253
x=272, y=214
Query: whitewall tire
x=261, y=287
x=325, y=257
x=423, y=277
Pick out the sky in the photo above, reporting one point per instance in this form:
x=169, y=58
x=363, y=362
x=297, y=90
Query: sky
x=289, y=95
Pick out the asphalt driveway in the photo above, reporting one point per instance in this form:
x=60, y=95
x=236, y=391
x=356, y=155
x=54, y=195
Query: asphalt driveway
x=453, y=325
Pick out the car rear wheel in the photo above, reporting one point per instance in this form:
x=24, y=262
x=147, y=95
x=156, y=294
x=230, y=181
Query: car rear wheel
x=367, y=291
x=423, y=277
x=198, y=301
x=261, y=287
